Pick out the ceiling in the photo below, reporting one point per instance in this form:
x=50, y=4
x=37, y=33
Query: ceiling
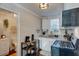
x=53, y=9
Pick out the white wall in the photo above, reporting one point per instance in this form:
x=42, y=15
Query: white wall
x=27, y=22
x=45, y=24
x=70, y=5
x=29, y=25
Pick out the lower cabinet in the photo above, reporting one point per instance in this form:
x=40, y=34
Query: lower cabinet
x=55, y=51
x=45, y=44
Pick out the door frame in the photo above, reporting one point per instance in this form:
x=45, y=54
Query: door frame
x=18, y=48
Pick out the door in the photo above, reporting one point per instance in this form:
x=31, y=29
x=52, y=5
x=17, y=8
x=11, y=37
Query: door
x=8, y=28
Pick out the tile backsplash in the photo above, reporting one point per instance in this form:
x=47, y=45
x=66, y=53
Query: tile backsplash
x=75, y=31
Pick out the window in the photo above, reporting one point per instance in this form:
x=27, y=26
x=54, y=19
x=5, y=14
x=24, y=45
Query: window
x=54, y=25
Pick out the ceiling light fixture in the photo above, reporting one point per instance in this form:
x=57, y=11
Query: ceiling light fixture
x=43, y=5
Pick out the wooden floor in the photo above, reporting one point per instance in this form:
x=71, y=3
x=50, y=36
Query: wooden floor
x=12, y=53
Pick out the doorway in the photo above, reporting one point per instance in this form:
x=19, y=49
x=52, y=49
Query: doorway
x=8, y=33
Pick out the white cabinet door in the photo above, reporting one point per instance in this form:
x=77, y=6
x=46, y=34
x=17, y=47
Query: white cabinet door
x=40, y=44
x=50, y=44
x=45, y=45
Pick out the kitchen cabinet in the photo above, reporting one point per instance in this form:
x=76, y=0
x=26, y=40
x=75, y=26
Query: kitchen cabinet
x=55, y=51
x=61, y=52
x=66, y=21
x=70, y=18
x=77, y=13
x=62, y=48
x=45, y=43
x=73, y=17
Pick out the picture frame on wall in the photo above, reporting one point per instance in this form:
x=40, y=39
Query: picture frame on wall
x=6, y=23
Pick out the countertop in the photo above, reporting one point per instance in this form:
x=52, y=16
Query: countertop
x=63, y=44
x=52, y=38
x=55, y=38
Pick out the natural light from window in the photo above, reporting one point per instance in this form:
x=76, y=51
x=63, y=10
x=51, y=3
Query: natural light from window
x=54, y=25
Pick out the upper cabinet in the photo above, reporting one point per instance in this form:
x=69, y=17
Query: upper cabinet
x=77, y=17
x=66, y=18
x=70, y=18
